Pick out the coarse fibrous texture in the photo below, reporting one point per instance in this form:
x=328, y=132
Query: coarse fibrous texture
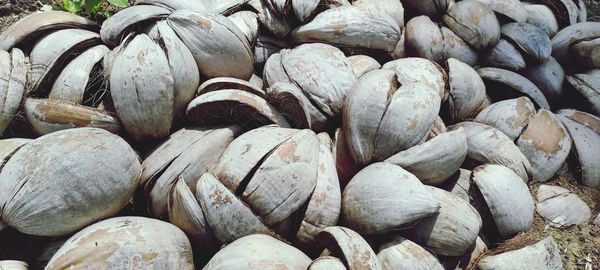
x=80, y=175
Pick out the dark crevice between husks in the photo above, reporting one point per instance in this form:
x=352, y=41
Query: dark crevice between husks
x=96, y=90
x=244, y=183
x=291, y=108
x=394, y=86
x=228, y=111
x=41, y=88
x=489, y=228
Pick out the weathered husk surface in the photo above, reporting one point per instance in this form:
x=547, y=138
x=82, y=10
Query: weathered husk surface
x=186, y=155
x=215, y=42
x=587, y=146
x=175, y=146
x=228, y=217
x=438, y=127
x=362, y=64
x=424, y=39
x=453, y=230
x=546, y=144
x=402, y=254
x=350, y=247
x=118, y=26
x=467, y=90
x=589, y=120
x=459, y=184
x=456, y=47
x=221, y=83
x=37, y=24
x=352, y=26
x=375, y=208
x=542, y=17
x=560, y=207
x=375, y=120
x=247, y=22
x=200, y=6
x=13, y=76
x=273, y=22
x=48, y=181
x=326, y=263
x=142, y=88
x=186, y=77
x=225, y=6
x=304, y=10
x=8, y=147
x=515, y=82
x=531, y=40
x=588, y=86
x=344, y=163
x=258, y=251
x=400, y=50
x=549, y=77
x=323, y=209
x=51, y=53
x=512, y=9
x=565, y=11
x=232, y=170
x=509, y=116
x=270, y=191
x=292, y=103
x=126, y=243
x=566, y=37
x=543, y=255
x=321, y=72
x=503, y=192
x=472, y=256
x=588, y=52
x=504, y=55
x=47, y=115
x=474, y=22
x=489, y=145
x=261, y=171
x=421, y=70
x=435, y=160
x=73, y=80
x=186, y=213
x=13, y=265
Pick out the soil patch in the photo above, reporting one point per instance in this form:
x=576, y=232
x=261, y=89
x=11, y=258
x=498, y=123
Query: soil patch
x=12, y=7
x=13, y=10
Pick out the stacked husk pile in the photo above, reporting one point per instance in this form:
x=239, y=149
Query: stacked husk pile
x=296, y=134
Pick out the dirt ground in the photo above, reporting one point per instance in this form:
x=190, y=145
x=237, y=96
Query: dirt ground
x=12, y=10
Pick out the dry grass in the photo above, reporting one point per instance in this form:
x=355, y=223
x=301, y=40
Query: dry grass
x=578, y=244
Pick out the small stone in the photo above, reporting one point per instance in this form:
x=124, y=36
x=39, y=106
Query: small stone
x=46, y=8
x=561, y=207
x=597, y=221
